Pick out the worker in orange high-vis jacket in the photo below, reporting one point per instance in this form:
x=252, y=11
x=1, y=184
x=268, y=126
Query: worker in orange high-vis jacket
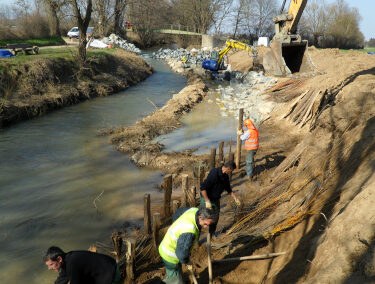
x=250, y=136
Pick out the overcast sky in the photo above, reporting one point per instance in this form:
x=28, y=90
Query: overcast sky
x=366, y=9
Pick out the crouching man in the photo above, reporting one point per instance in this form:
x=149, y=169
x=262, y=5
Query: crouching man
x=179, y=239
x=82, y=267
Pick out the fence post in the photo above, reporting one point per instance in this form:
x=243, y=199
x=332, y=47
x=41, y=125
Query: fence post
x=167, y=195
x=147, y=214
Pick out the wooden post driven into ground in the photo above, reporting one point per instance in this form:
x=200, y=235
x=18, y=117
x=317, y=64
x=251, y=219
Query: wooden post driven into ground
x=231, y=158
x=185, y=190
x=201, y=173
x=175, y=205
x=193, y=195
x=147, y=214
x=221, y=153
x=155, y=229
x=212, y=161
x=117, y=245
x=167, y=195
x=238, y=151
x=130, y=260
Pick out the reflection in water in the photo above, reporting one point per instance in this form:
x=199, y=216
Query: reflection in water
x=62, y=184
x=204, y=127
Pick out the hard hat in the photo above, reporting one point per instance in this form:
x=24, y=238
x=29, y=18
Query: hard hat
x=248, y=122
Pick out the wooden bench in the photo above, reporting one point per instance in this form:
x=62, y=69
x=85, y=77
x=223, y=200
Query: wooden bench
x=22, y=47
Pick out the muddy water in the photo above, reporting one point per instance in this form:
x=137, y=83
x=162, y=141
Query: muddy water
x=204, y=127
x=62, y=184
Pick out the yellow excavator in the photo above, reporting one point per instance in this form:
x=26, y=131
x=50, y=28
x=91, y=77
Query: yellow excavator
x=289, y=53
x=216, y=61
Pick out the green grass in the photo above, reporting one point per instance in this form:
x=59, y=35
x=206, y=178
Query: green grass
x=367, y=49
x=38, y=41
x=67, y=53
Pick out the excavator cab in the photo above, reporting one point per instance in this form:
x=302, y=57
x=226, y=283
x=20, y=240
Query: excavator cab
x=289, y=53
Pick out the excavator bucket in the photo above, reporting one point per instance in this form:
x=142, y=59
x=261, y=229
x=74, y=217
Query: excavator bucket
x=287, y=58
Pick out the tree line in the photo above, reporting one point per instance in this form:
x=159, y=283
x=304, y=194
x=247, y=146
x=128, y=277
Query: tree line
x=324, y=25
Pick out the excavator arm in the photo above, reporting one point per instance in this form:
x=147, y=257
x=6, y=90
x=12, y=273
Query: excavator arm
x=216, y=64
x=288, y=51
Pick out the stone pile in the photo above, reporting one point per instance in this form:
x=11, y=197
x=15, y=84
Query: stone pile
x=122, y=43
x=193, y=56
x=246, y=92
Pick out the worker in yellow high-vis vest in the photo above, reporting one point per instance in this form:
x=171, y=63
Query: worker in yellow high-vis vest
x=179, y=239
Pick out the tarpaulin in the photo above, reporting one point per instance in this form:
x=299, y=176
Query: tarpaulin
x=5, y=53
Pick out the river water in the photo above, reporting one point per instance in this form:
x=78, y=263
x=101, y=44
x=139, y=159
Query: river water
x=63, y=184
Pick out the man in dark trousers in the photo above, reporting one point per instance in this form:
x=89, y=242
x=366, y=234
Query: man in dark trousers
x=82, y=267
x=213, y=186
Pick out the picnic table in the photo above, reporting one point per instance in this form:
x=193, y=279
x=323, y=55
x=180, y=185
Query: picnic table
x=22, y=47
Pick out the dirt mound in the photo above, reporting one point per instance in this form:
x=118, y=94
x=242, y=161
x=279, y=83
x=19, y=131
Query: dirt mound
x=42, y=85
x=315, y=175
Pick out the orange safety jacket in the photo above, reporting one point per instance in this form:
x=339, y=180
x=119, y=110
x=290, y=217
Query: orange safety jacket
x=252, y=143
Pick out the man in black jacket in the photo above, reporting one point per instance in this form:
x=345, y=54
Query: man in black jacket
x=82, y=267
x=213, y=186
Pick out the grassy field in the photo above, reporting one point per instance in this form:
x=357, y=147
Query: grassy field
x=68, y=53
x=367, y=49
x=38, y=42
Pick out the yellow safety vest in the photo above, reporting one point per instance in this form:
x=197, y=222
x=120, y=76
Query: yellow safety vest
x=184, y=224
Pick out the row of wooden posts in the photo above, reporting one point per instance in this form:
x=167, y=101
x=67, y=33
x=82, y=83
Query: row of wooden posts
x=188, y=199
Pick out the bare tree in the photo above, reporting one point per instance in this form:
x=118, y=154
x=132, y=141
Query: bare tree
x=238, y=17
x=119, y=8
x=343, y=29
x=197, y=13
x=83, y=23
x=147, y=15
x=53, y=8
x=258, y=15
x=222, y=15
x=315, y=20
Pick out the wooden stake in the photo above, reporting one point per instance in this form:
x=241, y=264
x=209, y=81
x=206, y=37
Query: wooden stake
x=252, y=257
x=175, y=205
x=155, y=229
x=221, y=153
x=201, y=173
x=167, y=195
x=117, y=245
x=185, y=190
x=212, y=162
x=193, y=195
x=209, y=258
x=147, y=214
x=130, y=260
x=231, y=158
x=238, y=151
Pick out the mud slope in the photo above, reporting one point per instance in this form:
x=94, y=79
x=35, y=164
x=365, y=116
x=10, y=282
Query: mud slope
x=318, y=203
x=42, y=85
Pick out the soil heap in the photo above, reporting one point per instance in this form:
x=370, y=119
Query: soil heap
x=315, y=174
